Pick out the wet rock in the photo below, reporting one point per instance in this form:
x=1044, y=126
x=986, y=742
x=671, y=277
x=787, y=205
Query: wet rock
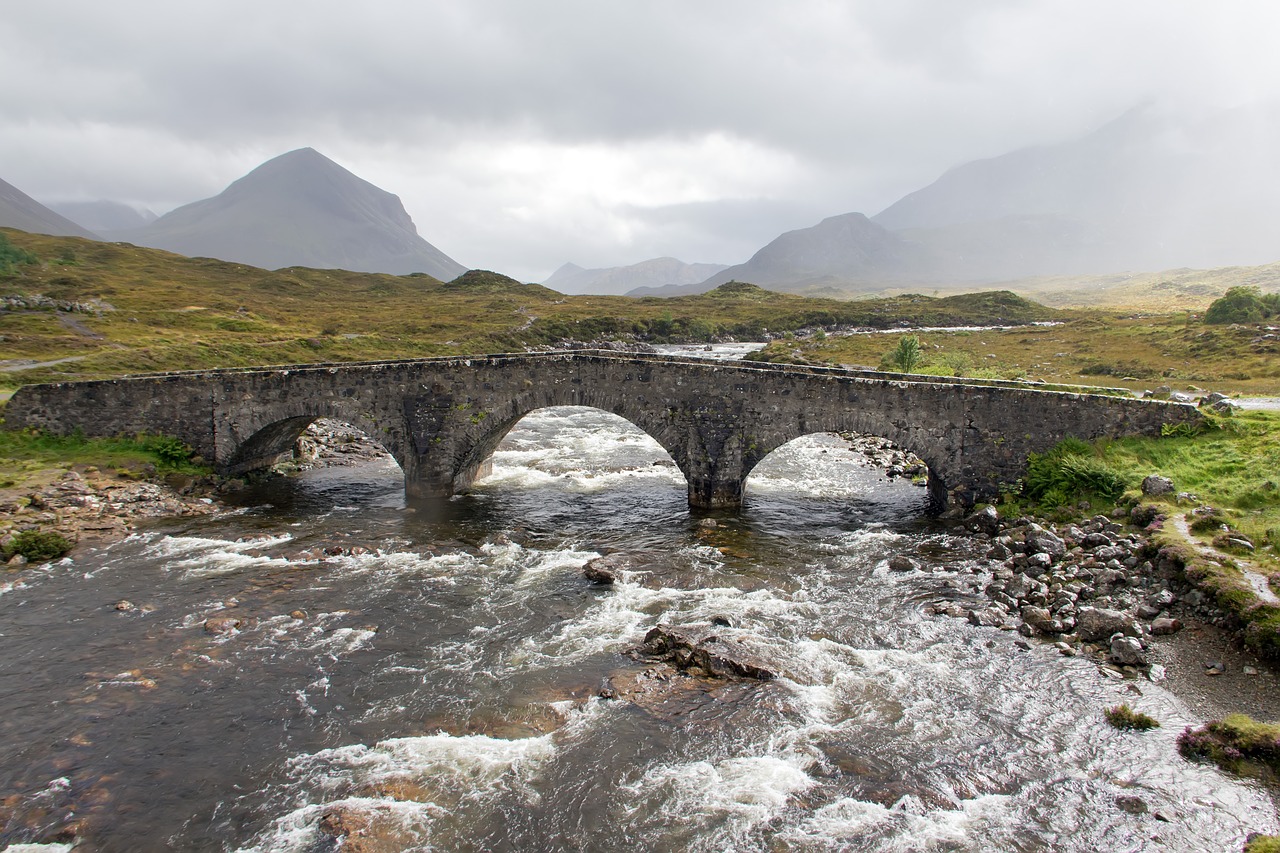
x=124, y=605
x=708, y=524
x=698, y=647
x=344, y=821
x=1127, y=651
x=1041, y=619
x=1154, y=485
x=221, y=625
x=902, y=563
x=990, y=617
x=985, y=520
x=1041, y=541
x=605, y=570
x=1131, y=804
x=1099, y=623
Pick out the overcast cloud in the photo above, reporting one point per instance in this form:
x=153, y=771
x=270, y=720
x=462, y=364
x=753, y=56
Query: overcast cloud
x=521, y=135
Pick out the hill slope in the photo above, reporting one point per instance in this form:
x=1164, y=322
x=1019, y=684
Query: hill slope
x=19, y=210
x=300, y=209
x=845, y=249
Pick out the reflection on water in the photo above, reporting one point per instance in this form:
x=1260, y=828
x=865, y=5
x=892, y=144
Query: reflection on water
x=432, y=681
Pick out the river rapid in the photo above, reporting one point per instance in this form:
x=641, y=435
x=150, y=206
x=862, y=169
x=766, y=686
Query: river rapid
x=434, y=684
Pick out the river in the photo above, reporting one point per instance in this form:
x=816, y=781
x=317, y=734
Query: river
x=437, y=682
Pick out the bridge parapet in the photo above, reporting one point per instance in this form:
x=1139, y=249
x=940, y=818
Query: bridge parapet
x=441, y=417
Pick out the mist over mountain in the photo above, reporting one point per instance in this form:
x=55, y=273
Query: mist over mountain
x=21, y=211
x=300, y=209
x=1147, y=191
x=102, y=217
x=655, y=273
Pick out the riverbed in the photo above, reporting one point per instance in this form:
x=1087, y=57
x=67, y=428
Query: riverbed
x=327, y=661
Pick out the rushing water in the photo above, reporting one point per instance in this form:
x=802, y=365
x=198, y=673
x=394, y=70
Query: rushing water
x=441, y=678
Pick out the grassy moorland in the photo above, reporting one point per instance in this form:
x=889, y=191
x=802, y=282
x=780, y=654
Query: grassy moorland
x=137, y=310
x=1119, y=349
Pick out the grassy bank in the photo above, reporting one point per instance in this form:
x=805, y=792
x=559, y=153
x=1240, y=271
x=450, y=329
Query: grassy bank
x=1221, y=521
x=29, y=458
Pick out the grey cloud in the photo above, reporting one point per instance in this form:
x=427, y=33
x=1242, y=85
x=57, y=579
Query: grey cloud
x=160, y=103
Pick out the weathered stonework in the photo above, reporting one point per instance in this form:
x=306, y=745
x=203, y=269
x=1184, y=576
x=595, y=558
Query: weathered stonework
x=442, y=418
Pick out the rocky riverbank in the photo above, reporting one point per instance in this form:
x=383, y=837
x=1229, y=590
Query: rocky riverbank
x=89, y=506
x=1106, y=589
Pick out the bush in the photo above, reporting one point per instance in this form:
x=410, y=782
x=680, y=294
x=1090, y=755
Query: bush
x=1241, y=305
x=1070, y=472
x=169, y=451
x=1124, y=717
x=12, y=257
x=906, y=357
x=38, y=546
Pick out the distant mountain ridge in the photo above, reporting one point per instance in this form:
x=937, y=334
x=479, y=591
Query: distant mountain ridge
x=607, y=281
x=21, y=211
x=1147, y=191
x=300, y=209
x=103, y=217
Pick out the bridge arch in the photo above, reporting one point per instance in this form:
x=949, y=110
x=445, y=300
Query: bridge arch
x=457, y=453
x=565, y=424
x=860, y=422
x=259, y=442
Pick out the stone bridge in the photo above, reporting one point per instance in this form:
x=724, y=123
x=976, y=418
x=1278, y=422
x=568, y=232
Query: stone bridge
x=441, y=418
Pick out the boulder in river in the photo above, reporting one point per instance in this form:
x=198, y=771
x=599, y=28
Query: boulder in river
x=700, y=647
x=604, y=570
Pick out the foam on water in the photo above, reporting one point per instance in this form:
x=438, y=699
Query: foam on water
x=723, y=801
x=196, y=557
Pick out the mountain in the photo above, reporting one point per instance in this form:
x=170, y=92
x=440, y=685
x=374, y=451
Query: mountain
x=846, y=249
x=300, y=209
x=102, y=217
x=1150, y=190
x=659, y=272
x=21, y=211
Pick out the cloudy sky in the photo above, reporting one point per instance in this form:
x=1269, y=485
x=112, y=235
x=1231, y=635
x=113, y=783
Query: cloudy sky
x=521, y=134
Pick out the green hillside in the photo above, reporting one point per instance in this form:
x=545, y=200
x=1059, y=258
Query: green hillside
x=106, y=309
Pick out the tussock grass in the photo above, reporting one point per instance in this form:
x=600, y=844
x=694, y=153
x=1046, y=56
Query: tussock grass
x=1125, y=718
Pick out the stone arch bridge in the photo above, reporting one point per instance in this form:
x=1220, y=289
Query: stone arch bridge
x=441, y=418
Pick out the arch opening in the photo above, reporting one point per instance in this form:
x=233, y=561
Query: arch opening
x=308, y=441
x=578, y=449
x=845, y=467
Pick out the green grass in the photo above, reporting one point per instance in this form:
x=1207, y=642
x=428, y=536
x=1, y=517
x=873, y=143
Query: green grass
x=1263, y=844
x=1234, y=467
x=1125, y=718
x=30, y=455
x=1237, y=743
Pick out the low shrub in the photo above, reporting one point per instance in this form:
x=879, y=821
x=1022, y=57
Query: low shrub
x=1069, y=472
x=37, y=546
x=1123, y=717
x=1237, y=742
